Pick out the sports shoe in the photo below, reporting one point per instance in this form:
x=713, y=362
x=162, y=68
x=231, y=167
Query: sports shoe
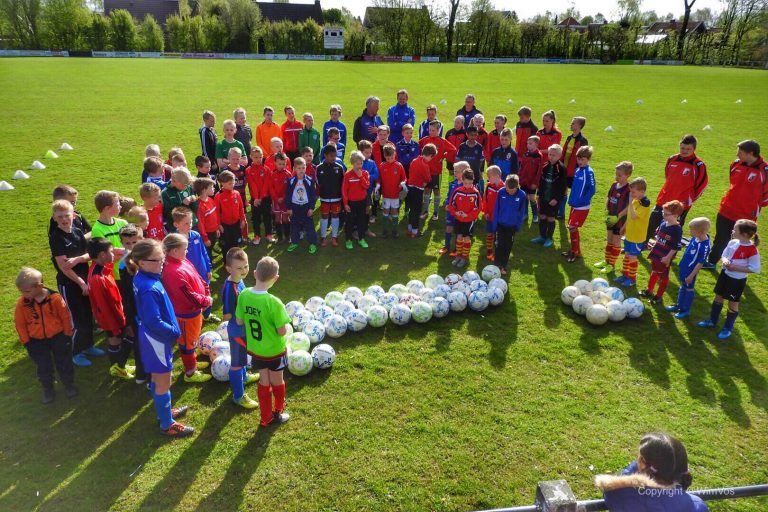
x=323, y=242
x=654, y=300
x=628, y=283
x=600, y=264
x=620, y=279
x=251, y=377
x=48, y=395
x=120, y=373
x=503, y=271
x=682, y=314
x=462, y=263
x=348, y=244
x=256, y=240
x=709, y=266
x=270, y=238
x=424, y=215
x=538, y=240
x=646, y=293
x=535, y=219
x=452, y=254
x=548, y=243
x=93, y=351
x=455, y=261
x=279, y=418
x=130, y=368
x=141, y=381
x=197, y=377
x=434, y=217
x=335, y=241
x=443, y=251
x=672, y=309
x=312, y=248
x=201, y=365
x=81, y=360
x=724, y=334
x=71, y=391
x=371, y=234
x=246, y=402
x=178, y=430
x=362, y=243
x=573, y=257
x=178, y=412
x=706, y=323
x=292, y=247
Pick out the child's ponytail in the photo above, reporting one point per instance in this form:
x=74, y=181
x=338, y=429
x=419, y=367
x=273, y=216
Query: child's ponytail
x=749, y=228
x=143, y=250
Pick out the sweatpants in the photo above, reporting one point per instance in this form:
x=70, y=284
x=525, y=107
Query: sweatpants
x=301, y=222
x=723, y=227
x=357, y=220
x=82, y=316
x=505, y=237
x=50, y=353
x=414, y=200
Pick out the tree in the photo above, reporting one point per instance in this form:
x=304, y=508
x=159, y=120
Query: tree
x=451, y=28
x=177, y=34
x=123, y=30
x=99, y=32
x=684, y=28
x=23, y=17
x=151, y=37
x=334, y=17
x=65, y=23
x=748, y=16
x=387, y=21
x=243, y=19
x=193, y=27
x=629, y=10
x=216, y=33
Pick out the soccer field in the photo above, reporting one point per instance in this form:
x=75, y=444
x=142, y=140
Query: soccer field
x=461, y=413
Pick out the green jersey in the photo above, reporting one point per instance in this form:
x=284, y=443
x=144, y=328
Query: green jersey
x=223, y=147
x=112, y=233
x=262, y=314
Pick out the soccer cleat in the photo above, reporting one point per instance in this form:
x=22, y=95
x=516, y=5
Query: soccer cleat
x=93, y=351
x=538, y=240
x=120, y=373
x=81, y=360
x=335, y=242
x=628, y=283
x=706, y=323
x=246, y=402
x=323, y=242
x=548, y=243
x=271, y=239
x=141, y=381
x=620, y=279
x=573, y=257
x=566, y=254
x=434, y=217
x=312, y=248
x=292, y=247
x=462, y=263
x=682, y=314
x=213, y=319
x=385, y=234
x=197, y=377
x=178, y=412
x=672, y=309
x=251, y=377
x=724, y=334
x=654, y=300
x=71, y=391
x=608, y=269
x=256, y=240
x=130, y=368
x=443, y=251
x=424, y=215
x=202, y=365
x=363, y=244
x=600, y=264
x=455, y=261
x=348, y=244
x=178, y=430
x=646, y=293
x=48, y=395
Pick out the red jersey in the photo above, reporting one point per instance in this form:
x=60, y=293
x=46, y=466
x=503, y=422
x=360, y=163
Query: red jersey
x=419, y=173
x=747, y=192
x=277, y=185
x=269, y=164
x=355, y=186
x=445, y=151
x=685, y=179
x=184, y=286
x=156, y=229
x=549, y=138
x=522, y=132
x=207, y=217
x=230, y=206
x=105, y=298
x=456, y=138
x=465, y=200
x=256, y=179
x=311, y=171
x=531, y=164
x=391, y=175
x=291, y=131
x=482, y=138
x=572, y=145
x=378, y=152
x=492, y=142
x=489, y=200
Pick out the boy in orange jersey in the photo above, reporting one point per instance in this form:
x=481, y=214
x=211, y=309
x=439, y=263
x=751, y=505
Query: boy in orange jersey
x=266, y=131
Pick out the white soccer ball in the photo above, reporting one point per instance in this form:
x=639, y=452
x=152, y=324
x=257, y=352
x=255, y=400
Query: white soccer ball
x=421, y=312
x=335, y=326
x=293, y=307
x=332, y=298
x=600, y=284
x=408, y=299
x=323, y=313
x=206, y=341
x=495, y=296
x=478, y=301
x=288, y=329
x=597, y=314
x=469, y=276
x=634, y=307
x=220, y=367
x=222, y=330
x=599, y=297
x=442, y=290
x=356, y=320
x=377, y=316
x=462, y=287
x=375, y=290
x=301, y=319
x=568, y=294
x=433, y=281
x=616, y=311
x=427, y=294
x=490, y=272
x=398, y=289
x=366, y=303
x=344, y=307
x=414, y=286
x=353, y=294
x=313, y=303
x=300, y=363
x=400, y=314
x=297, y=341
x=219, y=348
x=615, y=294
x=478, y=286
x=440, y=307
x=500, y=284
x=323, y=356
x=581, y=304
x=452, y=279
x=584, y=286
x=315, y=330
x=388, y=300
x=457, y=301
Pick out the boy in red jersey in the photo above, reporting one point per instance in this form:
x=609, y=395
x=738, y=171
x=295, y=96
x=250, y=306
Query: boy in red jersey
x=663, y=250
x=377, y=148
x=308, y=154
x=456, y=136
x=531, y=164
x=354, y=194
x=616, y=215
x=494, y=137
x=291, y=130
x=231, y=212
x=208, y=225
x=392, y=180
x=419, y=177
x=277, y=184
x=489, y=204
x=257, y=179
x=572, y=144
x=524, y=129
x=465, y=206
x=151, y=196
x=444, y=150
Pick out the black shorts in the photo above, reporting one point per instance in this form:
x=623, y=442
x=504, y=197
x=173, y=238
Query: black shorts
x=274, y=364
x=462, y=228
x=616, y=229
x=569, y=181
x=729, y=288
x=435, y=183
x=546, y=210
x=528, y=190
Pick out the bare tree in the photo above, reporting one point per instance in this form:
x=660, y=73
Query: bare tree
x=684, y=28
x=748, y=11
x=450, y=30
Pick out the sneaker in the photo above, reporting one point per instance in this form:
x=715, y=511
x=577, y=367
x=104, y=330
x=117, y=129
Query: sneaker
x=548, y=243
x=371, y=234
x=608, y=269
x=490, y=257
x=71, y=391
x=130, y=368
x=724, y=334
x=348, y=244
x=93, y=351
x=503, y=271
x=312, y=248
x=178, y=430
x=706, y=323
x=335, y=242
x=535, y=219
x=573, y=257
x=292, y=247
x=256, y=240
x=279, y=418
x=251, y=377
x=178, y=412
x=566, y=254
x=538, y=240
x=462, y=263
x=672, y=309
x=120, y=373
x=628, y=283
x=455, y=261
x=600, y=264
x=452, y=254
x=424, y=215
x=654, y=300
x=646, y=293
x=48, y=395
x=323, y=242
x=141, y=380
x=246, y=402
x=682, y=314
x=620, y=279
x=197, y=377
x=81, y=360
x=372, y=219
x=434, y=217
x=443, y=251
x=213, y=319
x=363, y=244
x=201, y=365
x=271, y=239
x=709, y=266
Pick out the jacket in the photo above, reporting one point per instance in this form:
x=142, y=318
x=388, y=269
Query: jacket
x=310, y=138
x=309, y=186
x=264, y=134
x=355, y=187
x=42, y=320
x=510, y=209
x=398, y=116
x=372, y=168
x=570, y=148
x=685, y=180
x=407, y=152
x=105, y=299
x=506, y=159
x=186, y=289
x=465, y=200
x=154, y=311
x=329, y=179
x=583, y=188
x=335, y=124
x=362, y=123
x=198, y=256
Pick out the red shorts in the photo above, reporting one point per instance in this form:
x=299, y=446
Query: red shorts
x=332, y=208
x=190, y=331
x=576, y=218
x=659, y=267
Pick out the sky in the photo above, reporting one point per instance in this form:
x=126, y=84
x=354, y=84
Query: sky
x=527, y=9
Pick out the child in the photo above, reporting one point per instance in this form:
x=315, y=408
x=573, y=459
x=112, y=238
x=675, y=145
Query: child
x=154, y=172
x=209, y=138
x=158, y=331
x=489, y=204
x=108, y=224
x=739, y=259
x=228, y=142
x=372, y=168
x=406, y=149
x=290, y=130
x=203, y=166
x=524, y=129
x=638, y=213
x=378, y=145
x=465, y=205
x=153, y=150
x=450, y=221
x=107, y=304
x=667, y=243
x=70, y=194
x=469, y=110
x=300, y=200
x=231, y=212
x=308, y=154
x=267, y=131
x=550, y=134
x=236, y=265
x=391, y=180
x=179, y=193
x=238, y=170
x=129, y=237
x=70, y=258
x=278, y=180
x=330, y=176
x=573, y=142
x=196, y=252
x=335, y=124
x=126, y=205
x=616, y=215
x=456, y=136
x=265, y=320
x=471, y=151
x=550, y=193
x=482, y=135
x=508, y=216
x=399, y=115
x=531, y=164
x=178, y=160
x=310, y=138
x=209, y=225
x=354, y=193
x=503, y=155
x=580, y=200
x=190, y=296
x=418, y=178
x=334, y=138
x=444, y=150
x=276, y=145
x=139, y=217
x=243, y=132
x=424, y=126
x=494, y=138
x=257, y=177
x=694, y=257
x=45, y=330
x=151, y=197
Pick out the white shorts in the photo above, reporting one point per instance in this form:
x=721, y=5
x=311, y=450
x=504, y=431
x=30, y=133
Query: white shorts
x=390, y=204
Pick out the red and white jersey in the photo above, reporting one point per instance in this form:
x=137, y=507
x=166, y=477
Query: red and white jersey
x=391, y=175
x=747, y=192
x=685, y=179
x=467, y=200
x=742, y=255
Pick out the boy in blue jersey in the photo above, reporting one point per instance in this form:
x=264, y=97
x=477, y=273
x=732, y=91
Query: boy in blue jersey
x=471, y=152
x=424, y=126
x=236, y=264
x=508, y=215
x=693, y=260
x=458, y=169
x=334, y=139
x=505, y=157
x=580, y=200
x=407, y=149
x=372, y=202
x=336, y=124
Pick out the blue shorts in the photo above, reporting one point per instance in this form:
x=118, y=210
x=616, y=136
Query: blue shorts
x=449, y=220
x=238, y=351
x=156, y=355
x=489, y=227
x=633, y=249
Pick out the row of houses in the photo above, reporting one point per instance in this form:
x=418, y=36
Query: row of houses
x=654, y=33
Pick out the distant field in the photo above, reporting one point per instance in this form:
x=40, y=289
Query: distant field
x=462, y=413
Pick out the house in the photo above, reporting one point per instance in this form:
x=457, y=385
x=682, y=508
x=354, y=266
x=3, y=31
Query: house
x=295, y=13
x=159, y=9
x=661, y=30
x=572, y=24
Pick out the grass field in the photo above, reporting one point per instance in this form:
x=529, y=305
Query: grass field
x=462, y=413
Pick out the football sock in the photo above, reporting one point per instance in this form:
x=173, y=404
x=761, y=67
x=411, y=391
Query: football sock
x=612, y=254
x=551, y=229
x=448, y=237
x=543, y=229
x=436, y=201
x=323, y=227
x=561, y=209
x=126, y=347
x=534, y=209
x=113, y=352
x=425, y=203
x=690, y=294
x=625, y=265
x=714, y=315
x=467, y=249
x=489, y=242
x=189, y=359
x=335, y=227
x=576, y=243
x=279, y=393
x=265, y=404
x=730, y=319
x=163, y=408
x=681, y=293
x=236, y=383
x=632, y=265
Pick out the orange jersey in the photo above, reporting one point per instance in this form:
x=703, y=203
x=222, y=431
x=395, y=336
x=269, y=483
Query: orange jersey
x=264, y=134
x=42, y=320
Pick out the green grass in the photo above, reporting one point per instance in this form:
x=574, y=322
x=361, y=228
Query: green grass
x=462, y=413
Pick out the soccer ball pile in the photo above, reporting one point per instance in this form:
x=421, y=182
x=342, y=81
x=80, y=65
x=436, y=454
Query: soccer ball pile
x=599, y=302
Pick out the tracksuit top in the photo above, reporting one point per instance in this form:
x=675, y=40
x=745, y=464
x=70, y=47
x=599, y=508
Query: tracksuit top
x=208, y=217
x=522, y=132
x=398, y=116
x=685, y=179
x=467, y=115
x=208, y=140
x=329, y=179
x=424, y=128
x=372, y=168
x=531, y=164
x=445, y=151
x=309, y=187
x=465, y=200
x=552, y=184
x=198, y=256
x=510, y=209
x=747, y=192
x=104, y=296
x=186, y=289
x=244, y=134
x=572, y=145
x=335, y=124
x=420, y=174
x=492, y=142
x=154, y=311
x=230, y=206
x=583, y=188
x=42, y=320
x=407, y=151
x=549, y=138
x=355, y=187
x=506, y=159
x=310, y=138
x=291, y=130
x=362, y=124
x=277, y=183
x=489, y=199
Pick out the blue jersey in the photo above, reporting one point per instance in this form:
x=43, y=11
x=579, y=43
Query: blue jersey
x=407, y=152
x=229, y=293
x=373, y=173
x=397, y=117
x=583, y=188
x=474, y=156
x=335, y=124
x=154, y=311
x=506, y=159
x=157, y=181
x=696, y=253
x=198, y=255
x=424, y=129
x=452, y=186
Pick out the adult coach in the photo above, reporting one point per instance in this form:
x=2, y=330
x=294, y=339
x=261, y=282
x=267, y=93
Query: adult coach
x=399, y=115
x=469, y=110
x=746, y=195
x=685, y=179
x=367, y=125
